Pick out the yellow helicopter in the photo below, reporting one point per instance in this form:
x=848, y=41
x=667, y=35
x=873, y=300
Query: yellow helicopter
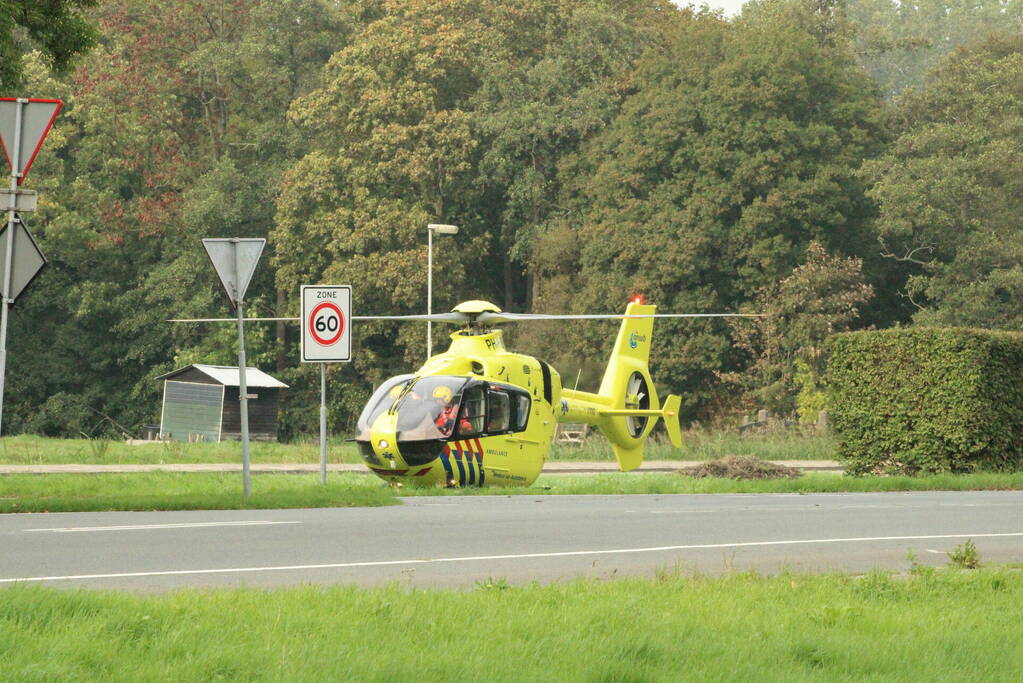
x=480, y=415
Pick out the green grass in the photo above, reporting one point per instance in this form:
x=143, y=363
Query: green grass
x=40, y=450
x=699, y=445
x=205, y=491
x=812, y=482
x=929, y=625
x=185, y=491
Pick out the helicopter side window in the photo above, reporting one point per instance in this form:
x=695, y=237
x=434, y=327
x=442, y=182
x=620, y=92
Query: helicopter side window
x=498, y=411
x=521, y=404
x=473, y=411
x=492, y=409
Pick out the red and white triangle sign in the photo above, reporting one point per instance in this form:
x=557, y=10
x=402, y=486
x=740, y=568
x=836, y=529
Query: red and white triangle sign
x=36, y=120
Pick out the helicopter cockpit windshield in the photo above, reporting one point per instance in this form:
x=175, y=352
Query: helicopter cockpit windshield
x=382, y=399
x=427, y=407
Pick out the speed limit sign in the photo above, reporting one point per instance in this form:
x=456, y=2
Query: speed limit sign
x=326, y=323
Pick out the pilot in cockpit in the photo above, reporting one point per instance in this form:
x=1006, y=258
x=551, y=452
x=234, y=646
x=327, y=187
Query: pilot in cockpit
x=427, y=408
x=446, y=411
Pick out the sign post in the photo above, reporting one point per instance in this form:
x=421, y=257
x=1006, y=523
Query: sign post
x=24, y=124
x=235, y=260
x=326, y=338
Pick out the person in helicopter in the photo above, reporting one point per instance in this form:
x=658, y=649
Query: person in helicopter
x=447, y=411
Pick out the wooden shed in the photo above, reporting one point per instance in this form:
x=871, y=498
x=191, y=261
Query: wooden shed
x=201, y=403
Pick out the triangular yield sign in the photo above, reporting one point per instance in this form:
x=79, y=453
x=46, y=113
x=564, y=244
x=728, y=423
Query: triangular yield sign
x=234, y=259
x=27, y=261
x=36, y=119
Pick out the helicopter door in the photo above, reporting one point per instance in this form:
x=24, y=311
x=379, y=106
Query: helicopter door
x=463, y=454
x=490, y=410
x=498, y=411
x=474, y=411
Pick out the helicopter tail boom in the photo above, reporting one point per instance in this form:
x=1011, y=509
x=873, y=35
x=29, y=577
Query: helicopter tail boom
x=626, y=406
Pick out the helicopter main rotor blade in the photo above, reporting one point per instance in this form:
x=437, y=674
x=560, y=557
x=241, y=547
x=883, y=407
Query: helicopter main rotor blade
x=456, y=318
x=515, y=317
x=230, y=320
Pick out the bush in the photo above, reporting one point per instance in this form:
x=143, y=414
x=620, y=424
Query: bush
x=62, y=415
x=965, y=555
x=927, y=400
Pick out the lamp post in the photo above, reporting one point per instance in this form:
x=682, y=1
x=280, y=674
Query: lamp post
x=440, y=229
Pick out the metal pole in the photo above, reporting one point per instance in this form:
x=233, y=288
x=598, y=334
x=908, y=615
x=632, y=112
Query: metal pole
x=429, y=292
x=243, y=390
x=9, y=249
x=323, y=423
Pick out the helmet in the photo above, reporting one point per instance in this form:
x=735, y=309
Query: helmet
x=442, y=392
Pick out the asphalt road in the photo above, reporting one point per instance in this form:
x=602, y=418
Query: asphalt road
x=457, y=541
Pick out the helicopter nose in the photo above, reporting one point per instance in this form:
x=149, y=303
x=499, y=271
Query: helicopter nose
x=384, y=440
x=400, y=460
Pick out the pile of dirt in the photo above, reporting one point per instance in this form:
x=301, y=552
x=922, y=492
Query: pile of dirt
x=741, y=467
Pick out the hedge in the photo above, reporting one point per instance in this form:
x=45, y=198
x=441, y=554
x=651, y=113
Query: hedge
x=927, y=400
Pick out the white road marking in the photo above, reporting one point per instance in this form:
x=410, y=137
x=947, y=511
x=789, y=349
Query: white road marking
x=815, y=507
x=480, y=558
x=65, y=530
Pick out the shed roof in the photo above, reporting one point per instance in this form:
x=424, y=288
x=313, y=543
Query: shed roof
x=228, y=375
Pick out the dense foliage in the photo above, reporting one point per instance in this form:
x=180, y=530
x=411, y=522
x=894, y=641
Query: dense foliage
x=786, y=347
x=587, y=150
x=737, y=148
x=898, y=43
x=927, y=400
x=950, y=190
x=59, y=29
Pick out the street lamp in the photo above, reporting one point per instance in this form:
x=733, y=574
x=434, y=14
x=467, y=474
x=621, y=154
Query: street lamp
x=440, y=229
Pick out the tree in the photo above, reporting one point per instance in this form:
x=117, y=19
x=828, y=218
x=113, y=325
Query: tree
x=174, y=129
x=57, y=28
x=821, y=297
x=562, y=80
x=393, y=150
x=737, y=149
x=898, y=43
x=456, y=112
x=177, y=128
x=949, y=190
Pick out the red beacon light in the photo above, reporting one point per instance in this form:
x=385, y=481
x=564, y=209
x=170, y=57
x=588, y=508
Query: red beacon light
x=638, y=299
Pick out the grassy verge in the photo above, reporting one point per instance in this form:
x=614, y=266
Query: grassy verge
x=699, y=445
x=930, y=625
x=179, y=491
x=814, y=482
x=779, y=445
x=40, y=450
x=203, y=491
